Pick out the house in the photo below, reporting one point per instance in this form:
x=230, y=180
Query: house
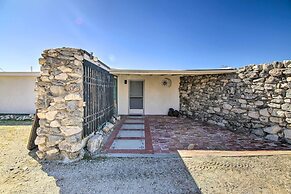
x=148, y=92
x=17, y=92
x=152, y=92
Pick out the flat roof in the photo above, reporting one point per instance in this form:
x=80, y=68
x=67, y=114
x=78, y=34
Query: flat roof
x=171, y=72
x=23, y=74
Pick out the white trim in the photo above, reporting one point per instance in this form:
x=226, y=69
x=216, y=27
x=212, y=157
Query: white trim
x=21, y=74
x=136, y=111
x=170, y=72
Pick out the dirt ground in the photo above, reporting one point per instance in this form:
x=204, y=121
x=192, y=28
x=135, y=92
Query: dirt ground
x=22, y=173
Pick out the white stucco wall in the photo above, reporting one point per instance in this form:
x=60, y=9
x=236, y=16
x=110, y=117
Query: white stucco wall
x=17, y=94
x=157, y=98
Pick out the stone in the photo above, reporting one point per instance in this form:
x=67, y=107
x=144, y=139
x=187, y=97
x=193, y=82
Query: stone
x=253, y=114
x=259, y=103
x=286, y=106
x=41, y=61
x=227, y=106
x=288, y=120
x=70, y=130
x=276, y=119
x=287, y=133
x=73, y=97
x=41, y=115
x=288, y=93
x=40, y=140
x=65, y=69
x=273, y=129
x=51, y=115
x=61, y=76
x=272, y=137
x=264, y=119
x=243, y=101
x=57, y=90
x=54, y=140
x=191, y=146
x=45, y=79
x=95, y=143
x=78, y=63
x=216, y=109
x=79, y=57
x=258, y=132
x=276, y=72
x=264, y=112
x=274, y=105
x=238, y=110
x=52, y=151
x=108, y=127
x=55, y=123
x=287, y=72
x=72, y=105
x=52, y=154
x=40, y=154
x=70, y=147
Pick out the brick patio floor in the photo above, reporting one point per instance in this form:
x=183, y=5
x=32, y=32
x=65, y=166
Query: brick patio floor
x=170, y=134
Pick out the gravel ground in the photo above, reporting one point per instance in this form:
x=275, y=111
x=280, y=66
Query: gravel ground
x=21, y=173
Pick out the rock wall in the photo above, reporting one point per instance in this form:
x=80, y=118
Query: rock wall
x=254, y=99
x=59, y=102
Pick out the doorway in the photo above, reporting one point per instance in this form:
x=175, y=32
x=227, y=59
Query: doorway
x=136, y=97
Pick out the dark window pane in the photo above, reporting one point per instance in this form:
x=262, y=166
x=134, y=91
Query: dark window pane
x=136, y=103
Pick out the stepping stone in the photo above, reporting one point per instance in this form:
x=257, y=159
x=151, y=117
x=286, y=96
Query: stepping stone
x=133, y=133
x=132, y=126
x=134, y=121
x=128, y=144
x=135, y=117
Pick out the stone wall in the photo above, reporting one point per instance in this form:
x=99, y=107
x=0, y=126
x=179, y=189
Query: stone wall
x=254, y=99
x=59, y=103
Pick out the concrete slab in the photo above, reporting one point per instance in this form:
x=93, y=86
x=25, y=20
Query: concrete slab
x=132, y=133
x=135, y=117
x=132, y=126
x=128, y=144
x=134, y=121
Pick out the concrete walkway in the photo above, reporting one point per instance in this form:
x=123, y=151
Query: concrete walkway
x=131, y=136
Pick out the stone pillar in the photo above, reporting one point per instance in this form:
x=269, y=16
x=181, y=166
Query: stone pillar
x=59, y=103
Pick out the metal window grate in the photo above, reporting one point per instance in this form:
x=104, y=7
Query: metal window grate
x=99, y=86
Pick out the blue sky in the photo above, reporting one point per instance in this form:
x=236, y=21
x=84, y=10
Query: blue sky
x=147, y=34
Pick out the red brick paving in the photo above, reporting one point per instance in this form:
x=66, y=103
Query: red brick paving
x=170, y=134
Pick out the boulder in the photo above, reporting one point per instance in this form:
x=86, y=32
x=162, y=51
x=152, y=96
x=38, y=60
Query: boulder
x=95, y=143
x=108, y=127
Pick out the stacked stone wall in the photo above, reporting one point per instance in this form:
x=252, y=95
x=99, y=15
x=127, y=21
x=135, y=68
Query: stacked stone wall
x=257, y=99
x=59, y=103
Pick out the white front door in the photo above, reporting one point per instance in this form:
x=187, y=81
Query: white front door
x=136, y=93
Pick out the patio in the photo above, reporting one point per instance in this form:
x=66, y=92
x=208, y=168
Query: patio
x=163, y=134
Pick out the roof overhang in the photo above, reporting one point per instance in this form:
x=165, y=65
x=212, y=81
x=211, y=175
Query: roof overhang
x=20, y=74
x=171, y=72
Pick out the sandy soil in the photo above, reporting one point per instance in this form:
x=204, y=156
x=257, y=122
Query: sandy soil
x=22, y=173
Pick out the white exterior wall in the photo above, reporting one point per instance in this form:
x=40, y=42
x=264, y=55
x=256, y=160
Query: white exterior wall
x=17, y=94
x=157, y=98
